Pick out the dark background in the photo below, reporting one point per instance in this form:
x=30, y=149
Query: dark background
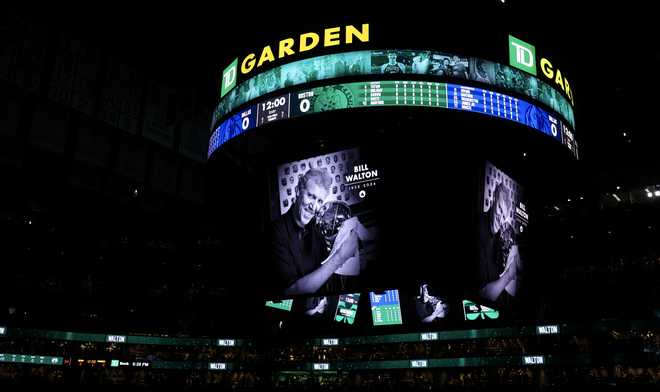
x=127, y=232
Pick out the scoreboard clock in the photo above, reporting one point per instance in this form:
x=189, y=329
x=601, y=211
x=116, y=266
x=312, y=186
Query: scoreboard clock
x=433, y=95
x=274, y=109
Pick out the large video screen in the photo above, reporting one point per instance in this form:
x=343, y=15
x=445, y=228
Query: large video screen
x=436, y=65
x=324, y=237
x=393, y=93
x=502, y=227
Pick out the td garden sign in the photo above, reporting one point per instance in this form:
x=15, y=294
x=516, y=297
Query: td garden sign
x=333, y=36
x=441, y=80
x=522, y=55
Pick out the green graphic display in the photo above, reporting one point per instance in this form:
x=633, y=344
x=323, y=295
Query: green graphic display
x=129, y=339
x=386, y=308
x=347, y=308
x=361, y=94
x=33, y=359
x=472, y=311
x=391, y=62
x=285, y=304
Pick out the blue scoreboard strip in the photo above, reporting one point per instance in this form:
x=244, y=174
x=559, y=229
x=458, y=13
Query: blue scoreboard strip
x=494, y=104
x=459, y=97
x=389, y=297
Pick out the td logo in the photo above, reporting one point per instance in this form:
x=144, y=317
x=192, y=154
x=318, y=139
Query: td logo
x=522, y=55
x=229, y=78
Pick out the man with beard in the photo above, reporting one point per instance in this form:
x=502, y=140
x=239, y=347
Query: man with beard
x=302, y=261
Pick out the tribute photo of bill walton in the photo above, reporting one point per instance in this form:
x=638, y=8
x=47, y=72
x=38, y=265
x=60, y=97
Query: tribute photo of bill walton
x=429, y=307
x=304, y=261
x=499, y=261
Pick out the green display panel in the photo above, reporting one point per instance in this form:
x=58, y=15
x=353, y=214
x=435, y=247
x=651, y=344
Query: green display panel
x=363, y=94
x=386, y=308
x=493, y=361
x=33, y=359
x=285, y=304
x=473, y=311
x=347, y=308
x=433, y=65
x=127, y=339
x=134, y=364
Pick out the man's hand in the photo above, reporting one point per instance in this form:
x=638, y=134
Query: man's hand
x=511, y=269
x=512, y=287
x=439, y=310
x=345, y=246
x=355, y=224
x=320, y=308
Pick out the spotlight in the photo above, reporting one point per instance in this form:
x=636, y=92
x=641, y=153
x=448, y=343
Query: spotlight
x=649, y=195
x=656, y=193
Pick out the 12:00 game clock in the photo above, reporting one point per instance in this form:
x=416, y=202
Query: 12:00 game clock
x=273, y=109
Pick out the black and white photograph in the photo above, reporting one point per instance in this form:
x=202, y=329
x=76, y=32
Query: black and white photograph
x=317, y=242
x=502, y=222
x=430, y=305
x=391, y=62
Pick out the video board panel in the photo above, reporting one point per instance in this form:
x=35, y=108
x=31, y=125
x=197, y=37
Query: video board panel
x=394, y=93
x=386, y=307
x=319, y=241
x=392, y=62
x=347, y=308
x=502, y=227
x=284, y=304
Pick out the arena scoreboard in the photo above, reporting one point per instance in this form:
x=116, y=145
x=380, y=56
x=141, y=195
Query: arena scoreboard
x=387, y=93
